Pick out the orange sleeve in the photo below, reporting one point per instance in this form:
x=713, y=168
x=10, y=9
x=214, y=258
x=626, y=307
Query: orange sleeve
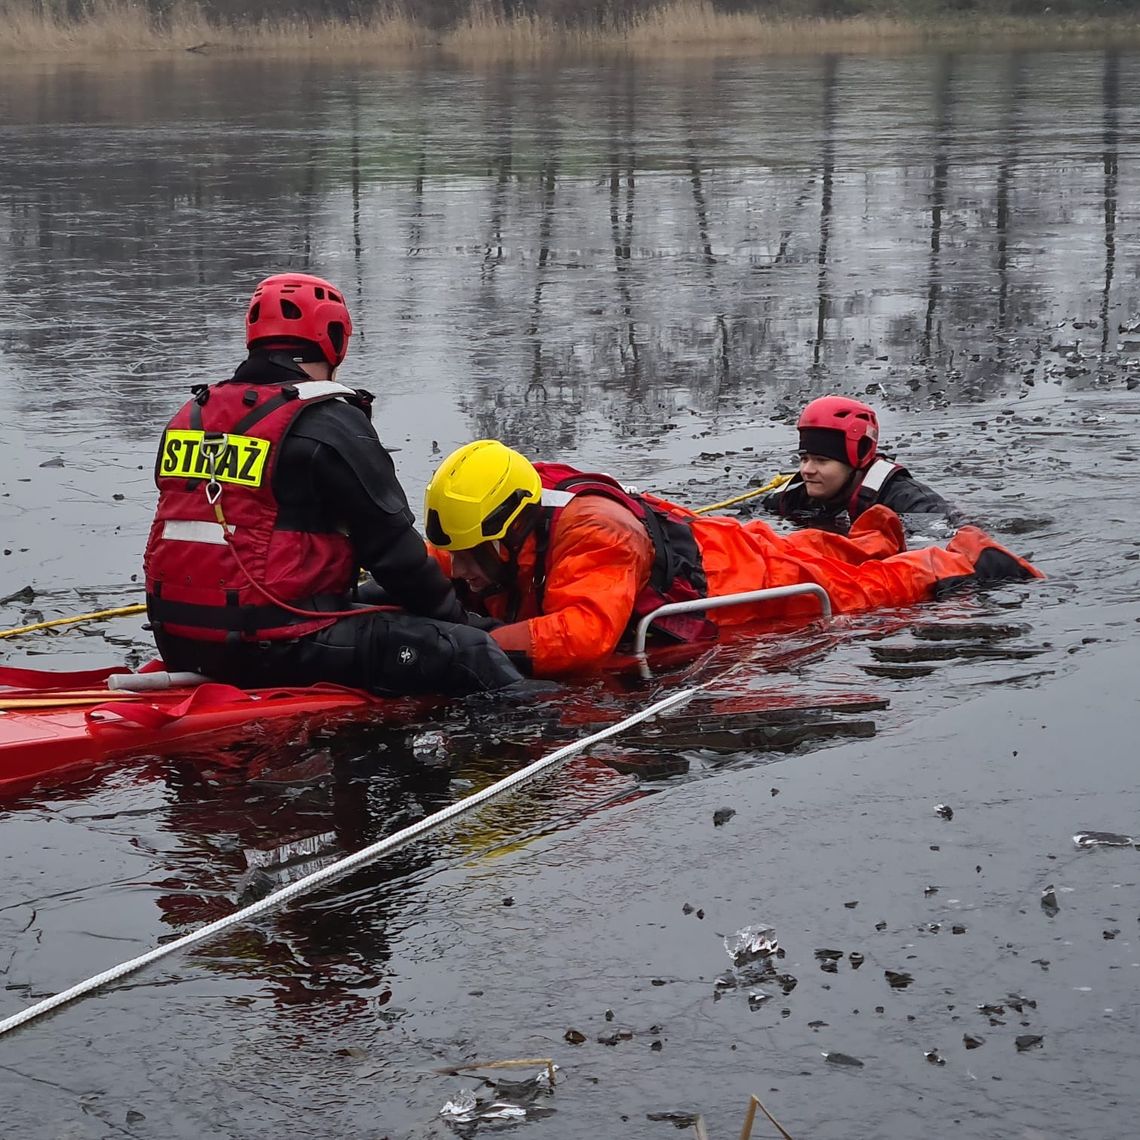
x=600, y=560
x=443, y=557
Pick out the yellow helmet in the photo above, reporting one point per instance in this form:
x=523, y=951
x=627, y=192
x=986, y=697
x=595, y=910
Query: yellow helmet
x=476, y=493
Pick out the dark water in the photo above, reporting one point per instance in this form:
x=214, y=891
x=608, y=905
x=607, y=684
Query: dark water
x=648, y=270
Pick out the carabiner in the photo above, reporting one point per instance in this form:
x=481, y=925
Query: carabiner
x=214, y=444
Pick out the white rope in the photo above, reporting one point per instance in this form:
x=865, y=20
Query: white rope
x=350, y=862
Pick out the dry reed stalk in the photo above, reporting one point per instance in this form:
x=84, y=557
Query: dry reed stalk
x=698, y=22
x=695, y=27
x=486, y=33
x=515, y=1063
x=110, y=26
x=126, y=26
x=388, y=30
x=755, y=1103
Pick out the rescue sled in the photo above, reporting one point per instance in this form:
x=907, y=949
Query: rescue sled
x=52, y=723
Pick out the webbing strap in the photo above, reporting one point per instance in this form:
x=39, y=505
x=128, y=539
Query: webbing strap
x=249, y=619
x=144, y=714
x=213, y=695
x=53, y=679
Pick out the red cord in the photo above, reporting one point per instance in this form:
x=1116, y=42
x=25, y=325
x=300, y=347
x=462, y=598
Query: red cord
x=359, y=611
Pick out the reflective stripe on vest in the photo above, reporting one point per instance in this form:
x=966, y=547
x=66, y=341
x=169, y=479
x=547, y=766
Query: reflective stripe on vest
x=312, y=389
x=866, y=495
x=878, y=473
x=555, y=499
x=194, y=530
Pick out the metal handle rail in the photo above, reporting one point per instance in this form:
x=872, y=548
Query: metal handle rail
x=728, y=600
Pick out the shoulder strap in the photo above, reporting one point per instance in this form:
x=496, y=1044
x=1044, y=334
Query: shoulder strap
x=313, y=389
x=866, y=494
x=878, y=473
x=555, y=498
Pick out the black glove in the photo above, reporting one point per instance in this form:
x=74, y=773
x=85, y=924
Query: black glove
x=370, y=593
x=483, y=622
x=521, y=661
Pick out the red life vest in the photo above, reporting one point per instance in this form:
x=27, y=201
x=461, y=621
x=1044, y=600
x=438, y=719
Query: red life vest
x=206, y=560
x=677, y=574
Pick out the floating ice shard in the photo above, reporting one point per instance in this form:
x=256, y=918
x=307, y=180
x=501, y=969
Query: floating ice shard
x=757, y=998
x=1102, y=839
x=756, y=941
x=844, y=1059
x=429, y=747
x=303, y=848
x=462, y=1108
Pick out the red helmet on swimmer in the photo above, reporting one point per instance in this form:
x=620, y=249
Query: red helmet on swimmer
x=290, y=307
x=840, y=428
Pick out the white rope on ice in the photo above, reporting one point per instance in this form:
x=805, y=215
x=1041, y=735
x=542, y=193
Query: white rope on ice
x=359, y=858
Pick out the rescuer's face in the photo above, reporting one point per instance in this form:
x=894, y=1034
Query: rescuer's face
x=484, y=567
x=823, y=478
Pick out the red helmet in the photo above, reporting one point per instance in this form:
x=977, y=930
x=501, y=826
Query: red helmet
x=856, y=423
x=297, y=306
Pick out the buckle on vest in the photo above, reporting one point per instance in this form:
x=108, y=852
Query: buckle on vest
x=213, y=447
x=214, y=444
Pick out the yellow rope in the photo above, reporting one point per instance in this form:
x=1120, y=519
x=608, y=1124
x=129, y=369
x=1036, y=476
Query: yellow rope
x=122, y=611
x=771, y=485
x=8, y=704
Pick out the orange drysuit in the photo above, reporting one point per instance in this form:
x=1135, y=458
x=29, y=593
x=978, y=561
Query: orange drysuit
x=600, y=555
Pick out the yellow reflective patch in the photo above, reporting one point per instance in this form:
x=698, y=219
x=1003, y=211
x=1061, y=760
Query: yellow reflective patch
x=242, y=462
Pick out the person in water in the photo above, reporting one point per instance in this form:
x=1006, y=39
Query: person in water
x=567, y=562
x=273, y=492
x=842, y=474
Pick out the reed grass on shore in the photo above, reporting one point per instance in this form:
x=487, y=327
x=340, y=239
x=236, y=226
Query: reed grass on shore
x=119, y=26
x=484, y=33
x=684, y=26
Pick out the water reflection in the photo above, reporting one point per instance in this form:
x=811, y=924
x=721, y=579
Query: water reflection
x=1010, y=134
x=943, y=128
x=277, y=806
x=1111, y=149
x=309, y=957
x=609, y=260
x=536, y=252
x=827, y=179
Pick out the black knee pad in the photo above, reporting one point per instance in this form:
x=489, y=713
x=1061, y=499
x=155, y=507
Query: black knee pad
x=400, y=653
x=480, y=664
x=386, y=653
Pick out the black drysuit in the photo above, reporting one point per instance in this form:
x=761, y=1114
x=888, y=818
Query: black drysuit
x=333, y=473
x=885, y=482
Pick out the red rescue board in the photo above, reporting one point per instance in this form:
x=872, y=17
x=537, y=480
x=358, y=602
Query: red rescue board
x=45, y=732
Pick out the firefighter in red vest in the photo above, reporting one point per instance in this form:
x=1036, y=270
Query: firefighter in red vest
x=274, y=491
x=568, y=561
x=842, y=472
